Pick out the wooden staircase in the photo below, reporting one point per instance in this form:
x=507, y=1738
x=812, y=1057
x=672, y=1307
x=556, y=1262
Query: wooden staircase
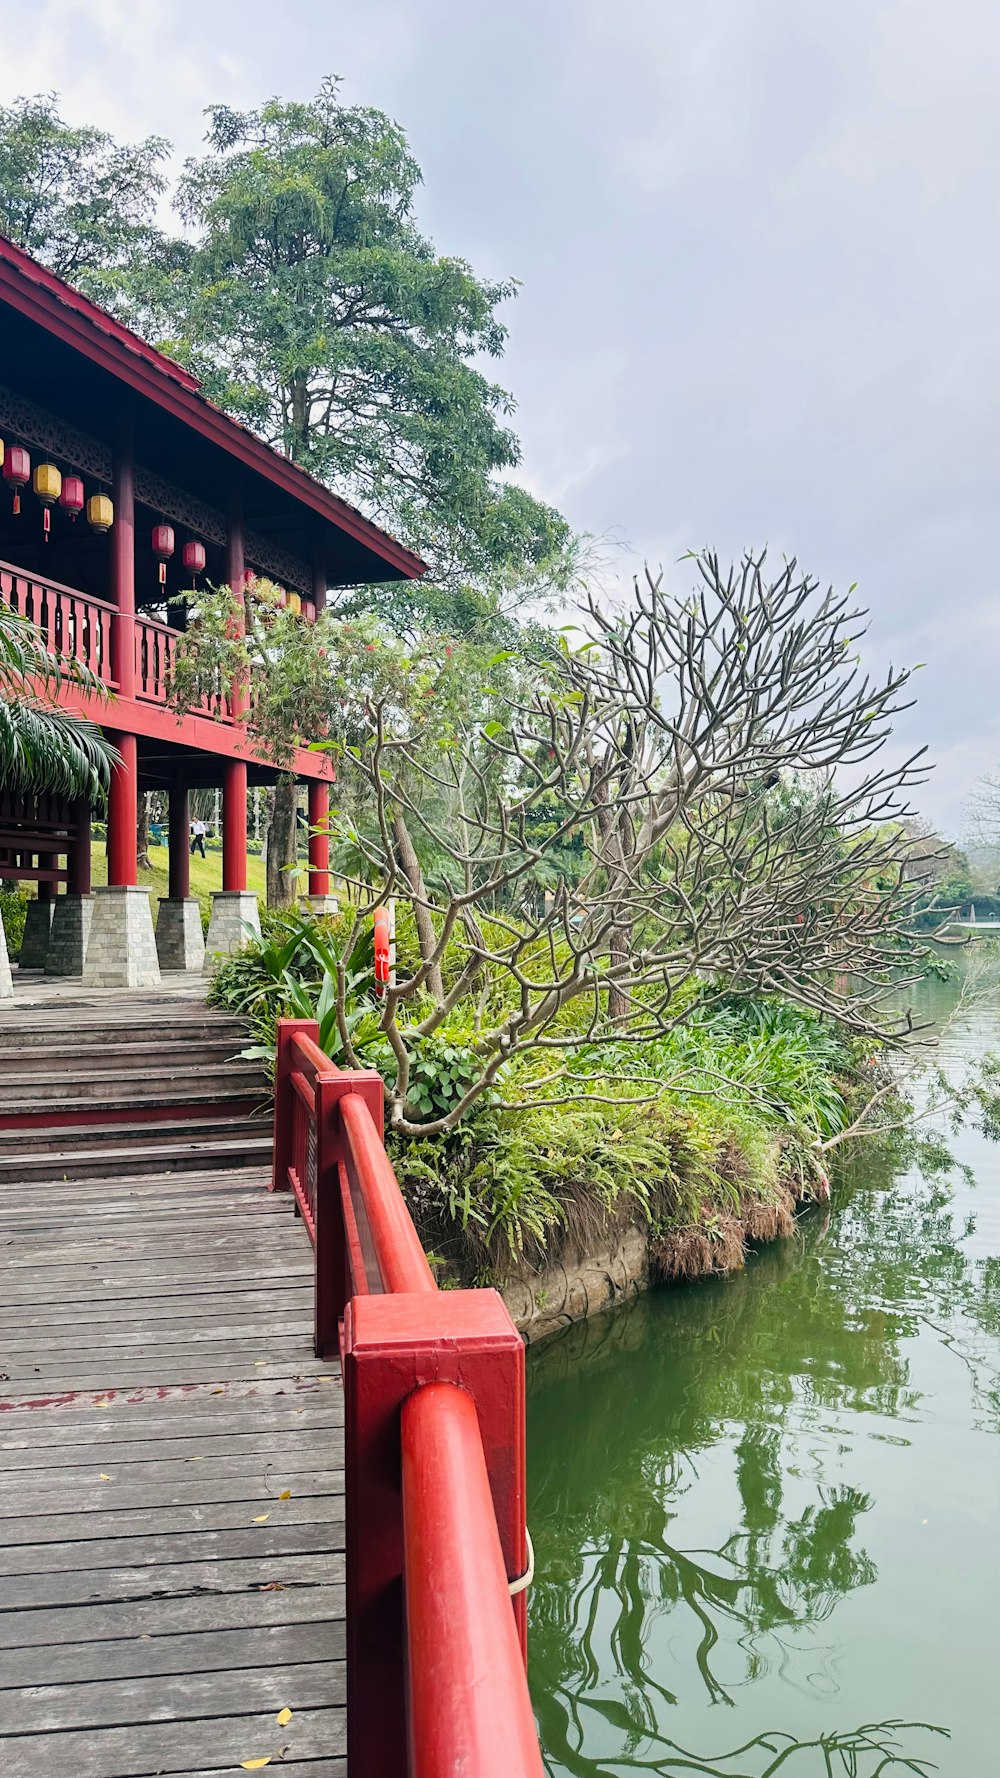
x=137, y=1084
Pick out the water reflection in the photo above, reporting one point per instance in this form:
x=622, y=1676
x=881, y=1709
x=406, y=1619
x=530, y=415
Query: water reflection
x=727, y=1487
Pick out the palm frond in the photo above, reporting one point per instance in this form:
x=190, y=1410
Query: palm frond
x=44, y=749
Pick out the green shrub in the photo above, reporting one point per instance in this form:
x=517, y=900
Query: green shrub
x=14, y=912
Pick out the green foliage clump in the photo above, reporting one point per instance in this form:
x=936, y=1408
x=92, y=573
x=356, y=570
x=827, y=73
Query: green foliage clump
x=14, y=912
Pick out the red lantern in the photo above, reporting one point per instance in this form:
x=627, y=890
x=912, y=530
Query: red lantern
x=71, y=498
x=17, y=470
x=193, y=557
x=163, y=548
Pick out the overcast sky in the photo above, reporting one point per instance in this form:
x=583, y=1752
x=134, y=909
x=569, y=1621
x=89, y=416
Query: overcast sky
x=760, y=256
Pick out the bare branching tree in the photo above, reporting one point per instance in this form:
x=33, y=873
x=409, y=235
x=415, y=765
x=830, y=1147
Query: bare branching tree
x=719, y=759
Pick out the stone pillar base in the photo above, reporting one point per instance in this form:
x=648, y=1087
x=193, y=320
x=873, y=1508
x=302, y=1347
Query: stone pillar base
x=233, y=912
x=6, y=979
x=121, y=950
x=37, y=929
x=72, y=916
x=321, y=904
x=180, y=942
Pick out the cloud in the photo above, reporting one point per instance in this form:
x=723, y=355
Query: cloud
x=758, y=250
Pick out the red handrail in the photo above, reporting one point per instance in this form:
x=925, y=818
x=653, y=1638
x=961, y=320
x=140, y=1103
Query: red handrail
x=401, y=1257
x=434, y=1447
x=469, y=1705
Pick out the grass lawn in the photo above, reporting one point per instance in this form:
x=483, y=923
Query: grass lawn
x=206, y=874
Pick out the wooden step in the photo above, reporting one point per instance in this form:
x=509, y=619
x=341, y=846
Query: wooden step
x=138, y=1148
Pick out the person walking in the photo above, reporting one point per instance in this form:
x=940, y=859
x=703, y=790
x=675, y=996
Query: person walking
x=198, y=832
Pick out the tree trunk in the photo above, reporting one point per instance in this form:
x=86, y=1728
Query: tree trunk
x=426, y=936
x=281, y=845
x=142, y=833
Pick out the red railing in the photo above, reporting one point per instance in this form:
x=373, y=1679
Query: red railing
x=74, y=626
x=79, y=628
x=434, y=1449
x=155, y=646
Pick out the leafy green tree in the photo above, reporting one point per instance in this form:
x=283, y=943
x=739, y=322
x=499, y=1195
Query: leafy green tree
x=74, y=197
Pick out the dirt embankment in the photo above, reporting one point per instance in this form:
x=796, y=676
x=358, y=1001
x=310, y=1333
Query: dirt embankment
x=577, y=1284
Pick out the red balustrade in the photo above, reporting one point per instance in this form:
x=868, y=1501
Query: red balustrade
x=74, y=626
x=434, y=1448
x=155, y=649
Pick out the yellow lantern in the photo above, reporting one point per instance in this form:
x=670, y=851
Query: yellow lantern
x=47, y=483
x=294, y=603
x=1, y=453
x=100, y=512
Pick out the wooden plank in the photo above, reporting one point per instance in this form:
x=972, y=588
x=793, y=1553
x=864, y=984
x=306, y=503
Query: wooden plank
x=186, y=1367
x=58, y=1429
x=200, y=1651
x=66, y=1625
x=118, y=1279
x=243, y=1405
x=163, y=1749
x=193, y=1489
x=165, y=1517
x=105, y=1319
x=117, y=1311
x=253, y=1453
x=223, y=1575
x=179, y=1334
x=271, y=1542
x=186, y=1696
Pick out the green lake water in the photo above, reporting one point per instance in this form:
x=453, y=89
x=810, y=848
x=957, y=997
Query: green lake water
x=767, y=1509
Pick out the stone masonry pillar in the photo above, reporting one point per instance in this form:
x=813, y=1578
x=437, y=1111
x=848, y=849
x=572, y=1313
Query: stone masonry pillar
x=234, y=920
x=121, y=950
x=37, y=929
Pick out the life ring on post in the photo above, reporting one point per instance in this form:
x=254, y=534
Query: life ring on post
x=381, y=949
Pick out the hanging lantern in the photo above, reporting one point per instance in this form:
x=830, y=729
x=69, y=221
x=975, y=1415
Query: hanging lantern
x=71, y=495
x=100, y=512
x=309, y=611
x=47, y=484
x=17, y=469
x=294, y=603
x=193, y=557
x=163, y=548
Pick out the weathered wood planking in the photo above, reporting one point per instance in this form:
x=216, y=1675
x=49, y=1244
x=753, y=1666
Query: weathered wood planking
x=159, y=1602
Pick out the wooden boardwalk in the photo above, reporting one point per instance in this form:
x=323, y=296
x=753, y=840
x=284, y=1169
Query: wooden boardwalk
x=171, y=1564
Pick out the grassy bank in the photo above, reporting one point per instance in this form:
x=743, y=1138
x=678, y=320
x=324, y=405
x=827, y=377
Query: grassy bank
x=714, y=1147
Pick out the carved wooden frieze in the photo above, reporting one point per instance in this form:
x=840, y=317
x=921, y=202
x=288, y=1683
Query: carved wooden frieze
x=21, y=419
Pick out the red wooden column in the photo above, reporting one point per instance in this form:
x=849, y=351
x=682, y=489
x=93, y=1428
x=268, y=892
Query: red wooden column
x=319, y=794
x=179, y=842
x=123, y=560
x=319, y=838
x=123, y=813
x=236, y=576
x=234, y=783
x=234, y=826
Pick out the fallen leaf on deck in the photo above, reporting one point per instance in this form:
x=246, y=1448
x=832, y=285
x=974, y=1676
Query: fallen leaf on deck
x=103, y=1477
x=255, y=1765
x=283, y=1717
x=271, y=1586
x=262, y=1519
x=286, y=1494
